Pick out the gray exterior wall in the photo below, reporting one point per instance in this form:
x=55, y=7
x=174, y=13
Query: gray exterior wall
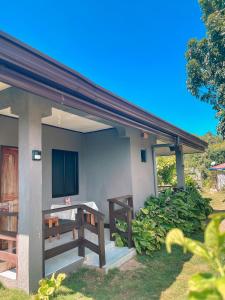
x=108, y=170
x=109, y=165
x=143, y=181
x=52, y=138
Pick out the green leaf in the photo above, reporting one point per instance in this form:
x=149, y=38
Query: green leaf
x=175, y=236
x=196, y=248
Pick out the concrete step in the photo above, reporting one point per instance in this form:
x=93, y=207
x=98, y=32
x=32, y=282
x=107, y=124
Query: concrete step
x=67, y=262
x=115, y=257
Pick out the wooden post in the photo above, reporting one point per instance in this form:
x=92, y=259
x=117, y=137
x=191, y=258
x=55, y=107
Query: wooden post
x=112, y=224
x=81, y=248
x=130, y=203
x=129, y=228
x=101, y=242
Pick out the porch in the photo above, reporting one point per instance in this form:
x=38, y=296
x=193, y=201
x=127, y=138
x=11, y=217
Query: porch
x=90, y=245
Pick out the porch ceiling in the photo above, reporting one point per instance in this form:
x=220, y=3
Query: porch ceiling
x=3, y=86
x=166, y=151
x=66, y=120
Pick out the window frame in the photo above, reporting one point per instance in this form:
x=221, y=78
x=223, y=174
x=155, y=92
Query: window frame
x=76, y=174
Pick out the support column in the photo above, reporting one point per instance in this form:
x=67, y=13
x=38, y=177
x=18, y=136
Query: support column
x=180, y=167
x=29, y=248
x=154, y=162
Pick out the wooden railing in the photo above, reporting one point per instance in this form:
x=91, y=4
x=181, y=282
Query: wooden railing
x=10, y=237
x=124, y=211
x=79, y=224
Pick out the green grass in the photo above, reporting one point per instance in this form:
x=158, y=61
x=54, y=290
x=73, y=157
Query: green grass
x=161, y=276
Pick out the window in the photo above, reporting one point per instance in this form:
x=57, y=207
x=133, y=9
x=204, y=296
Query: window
x=143, y=155
x=64, y=173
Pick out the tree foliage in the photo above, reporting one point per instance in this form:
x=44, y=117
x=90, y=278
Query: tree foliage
x=166, y=170
x=206, y=60
x=202, y=161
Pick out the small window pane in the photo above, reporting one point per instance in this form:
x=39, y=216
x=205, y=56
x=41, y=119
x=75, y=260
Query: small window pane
x=143, y=155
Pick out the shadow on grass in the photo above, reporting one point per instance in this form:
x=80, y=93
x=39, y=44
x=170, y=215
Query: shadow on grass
x=156, y=274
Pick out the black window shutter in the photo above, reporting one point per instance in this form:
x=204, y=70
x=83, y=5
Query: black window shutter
x=65, y=181
x=70, y=173
x=57, y=173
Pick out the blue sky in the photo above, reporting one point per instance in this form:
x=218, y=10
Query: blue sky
x=133, y=48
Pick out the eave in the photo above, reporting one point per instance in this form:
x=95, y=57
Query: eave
x=28, y=69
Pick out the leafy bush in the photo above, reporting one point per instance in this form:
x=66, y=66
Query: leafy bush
x=205, y=286
x=48, y=287
x=120, y=241
x=186, y=210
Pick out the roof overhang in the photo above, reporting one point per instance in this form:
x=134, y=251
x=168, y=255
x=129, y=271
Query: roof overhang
x=26, y=68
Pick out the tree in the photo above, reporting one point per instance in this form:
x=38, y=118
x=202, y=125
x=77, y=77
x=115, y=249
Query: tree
x=206, y=60
x=166, y=170
x=202, y=161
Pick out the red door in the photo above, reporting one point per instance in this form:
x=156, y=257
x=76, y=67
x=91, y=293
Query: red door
x=8, y=185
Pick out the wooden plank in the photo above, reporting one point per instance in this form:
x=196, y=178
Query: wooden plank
x=8, y=235
x=80, y=215
x=8, y=214
x=69, y=207
x=116, y=201
x=120, y=198
x=93, y=247
x=89, y=209
x=9, y=257
x=101, y=243
x=62, y=248
x=91, y=228
x=64, y=208
x=129, y=229
x=112, y=224
x=63, y=228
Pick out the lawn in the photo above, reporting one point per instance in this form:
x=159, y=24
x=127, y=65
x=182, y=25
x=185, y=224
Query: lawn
x=161, y=276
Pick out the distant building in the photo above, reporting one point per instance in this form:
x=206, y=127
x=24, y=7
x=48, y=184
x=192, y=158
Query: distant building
x=220, y=176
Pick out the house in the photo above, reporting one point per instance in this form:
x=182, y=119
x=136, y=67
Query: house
x=219, y=176
x=64, y=136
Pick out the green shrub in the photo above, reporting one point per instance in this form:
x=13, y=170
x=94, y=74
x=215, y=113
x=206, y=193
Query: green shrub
x=49, y=286
x=186, y=210
x=120, y=241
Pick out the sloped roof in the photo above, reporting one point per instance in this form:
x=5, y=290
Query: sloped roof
x=26, y=68
x=219, y=167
